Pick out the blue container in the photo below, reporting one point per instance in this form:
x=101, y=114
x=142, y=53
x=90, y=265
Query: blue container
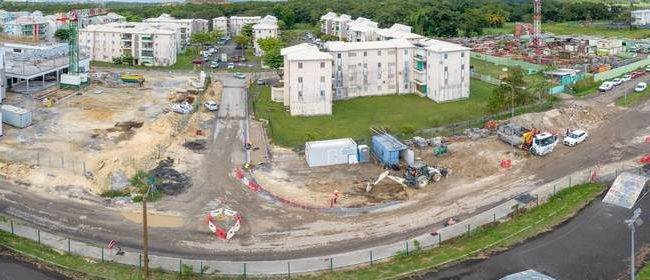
x=387, y=149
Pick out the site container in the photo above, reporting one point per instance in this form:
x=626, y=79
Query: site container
x=387, y=149
x=364, y=153
x=15, y=116
x=331, y=152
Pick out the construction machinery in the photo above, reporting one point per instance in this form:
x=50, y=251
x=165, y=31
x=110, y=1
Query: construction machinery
x=417, y=175
x=532, y=140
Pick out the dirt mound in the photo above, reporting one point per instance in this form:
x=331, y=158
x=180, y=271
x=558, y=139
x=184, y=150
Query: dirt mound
x=170, y=181
x=572, y=116
x=196, y=145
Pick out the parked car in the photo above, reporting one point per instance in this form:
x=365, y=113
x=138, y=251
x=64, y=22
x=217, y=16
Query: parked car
x=606, y=86
x=575, y=137
x=211, y=105
x=640, y=87
x=231, y=65
x=637, y=74
x=626, y=77
x=214, y=64
x=240, y=75
x=260, y=82
x=617, y=81
x=647, y=68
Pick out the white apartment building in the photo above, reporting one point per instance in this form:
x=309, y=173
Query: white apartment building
x=236, y=23
x=266, y=28
x=641, y=17
x=371, y=68
x=397, y=31
x=362, y=30
x=3, y=79
x=149, y=44
x=335, y=25
x=220, y=23
x=307, y=80
x=441, y=70
x=187, y=26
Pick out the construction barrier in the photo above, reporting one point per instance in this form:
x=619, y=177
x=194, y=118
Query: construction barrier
x=529, y=68
x=645, y=159
x=616, y=72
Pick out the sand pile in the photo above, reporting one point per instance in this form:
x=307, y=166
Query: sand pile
x=572, y=116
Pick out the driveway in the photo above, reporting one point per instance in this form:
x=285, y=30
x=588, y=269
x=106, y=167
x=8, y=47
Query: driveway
x=593, y=245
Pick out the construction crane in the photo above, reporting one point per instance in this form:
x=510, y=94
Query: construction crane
x=536, y=41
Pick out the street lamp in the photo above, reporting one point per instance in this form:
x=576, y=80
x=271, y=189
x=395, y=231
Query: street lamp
x=632, y=223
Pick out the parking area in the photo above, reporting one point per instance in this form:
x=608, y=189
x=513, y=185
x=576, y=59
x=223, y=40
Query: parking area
x=226, y=54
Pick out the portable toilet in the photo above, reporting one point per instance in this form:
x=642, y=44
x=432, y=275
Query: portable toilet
x=364, y=153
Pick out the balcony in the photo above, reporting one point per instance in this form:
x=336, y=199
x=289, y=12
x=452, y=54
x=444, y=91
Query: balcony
x=146, y=38
x=420, y=57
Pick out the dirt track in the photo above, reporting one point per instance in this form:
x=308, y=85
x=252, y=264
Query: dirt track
x=273, y=231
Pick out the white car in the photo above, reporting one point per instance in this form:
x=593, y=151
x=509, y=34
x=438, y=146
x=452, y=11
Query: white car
x=575, y=137
x=231, y=65
x=617, y=81
x=240, y=76
x=626, y=77
x=640, y=87
x=211, y=105
x=606, y=86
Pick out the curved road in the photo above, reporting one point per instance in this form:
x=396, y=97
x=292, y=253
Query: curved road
x=273, y=231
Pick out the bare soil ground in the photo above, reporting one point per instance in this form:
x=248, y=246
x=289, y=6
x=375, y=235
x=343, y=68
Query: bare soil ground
x=473, y=163
x=107, y=127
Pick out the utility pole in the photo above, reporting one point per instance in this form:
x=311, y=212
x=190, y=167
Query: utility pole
x=632, y=223
x=145, y=235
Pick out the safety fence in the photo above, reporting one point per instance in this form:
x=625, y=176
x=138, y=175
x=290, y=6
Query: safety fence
x=485, y=78
x=613, y=73
x=530, y=68
x=368, y=256
x=459, y=127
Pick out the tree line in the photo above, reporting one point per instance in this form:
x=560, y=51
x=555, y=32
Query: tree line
x=439, y=18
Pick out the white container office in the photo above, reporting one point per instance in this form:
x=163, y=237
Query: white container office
x=331, y=152
x=15, y=116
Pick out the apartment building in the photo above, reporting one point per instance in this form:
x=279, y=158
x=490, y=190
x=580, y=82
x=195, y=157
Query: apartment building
x=187, y=26
x=3, y=79
x=236, y=23
x=441, y=70
x=148, y=43
x=362, y=30
x=35, y=26
x=335, y=25
x=371, y=68
x=266, y=28
x=641, y=17
x=397, y=31
x=307, y=80
x=220, y=23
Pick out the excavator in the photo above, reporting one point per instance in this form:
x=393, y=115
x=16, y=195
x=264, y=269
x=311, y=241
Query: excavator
x=417, y=175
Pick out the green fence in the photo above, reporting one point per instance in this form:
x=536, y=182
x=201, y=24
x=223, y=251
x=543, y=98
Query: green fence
x=530, y=68
x=621, y=70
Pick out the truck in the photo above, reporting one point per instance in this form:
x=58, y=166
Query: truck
x=533, y=140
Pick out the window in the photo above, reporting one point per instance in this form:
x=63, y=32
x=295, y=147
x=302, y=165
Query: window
x=445, y=55
x=322, y=79
x=300, y=93
x=299, y=65
x=322, y=65
x=365, y=65
x=406, y=52
x=338, y=55
x=300, y=80
x=378, y=53
x=462, y=54
x=352, y=54
x=365, y=53
x=322, y=92
x=378, y=64
x=462, y=67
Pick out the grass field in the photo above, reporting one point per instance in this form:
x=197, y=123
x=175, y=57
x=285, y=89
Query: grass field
x=573, y=28
x=559, y=208
x=354, y=118
x=523, y=226
x=633, y=99
x=183, y=62
x=486, y=68
x=644, y=274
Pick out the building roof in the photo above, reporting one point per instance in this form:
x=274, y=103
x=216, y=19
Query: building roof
x=332, y=143
x=400, y=27
x=267, y=22
x=132, y=27
x=220, y=18
x=329, y=15
x=246, y=17
x=362, y=24
x=389, y=142
x=441, y=46
x=338, y=46
x=304, y=52
x=168, y=18
x=397, y=34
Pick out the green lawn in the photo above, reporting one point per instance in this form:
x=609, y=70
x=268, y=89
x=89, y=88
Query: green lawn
x=183, y=62
x=486, y=68
x=354, y=118
x=574, y=28
x=482, y=241
x=644, y=274
x=633, y=99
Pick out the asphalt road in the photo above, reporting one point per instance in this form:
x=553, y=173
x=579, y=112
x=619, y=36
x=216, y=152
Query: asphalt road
x=266, y=222
x=12, y=269
x=593, y=245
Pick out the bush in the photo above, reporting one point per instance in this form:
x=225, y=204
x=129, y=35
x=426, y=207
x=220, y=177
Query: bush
x=584, y=85
x=115, y=193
